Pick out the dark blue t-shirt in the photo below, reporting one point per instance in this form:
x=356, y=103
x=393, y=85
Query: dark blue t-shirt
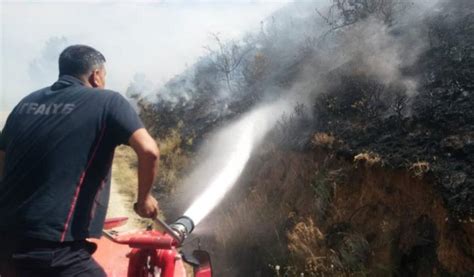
x=59, y=144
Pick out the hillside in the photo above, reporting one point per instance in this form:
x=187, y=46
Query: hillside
x=371, y=173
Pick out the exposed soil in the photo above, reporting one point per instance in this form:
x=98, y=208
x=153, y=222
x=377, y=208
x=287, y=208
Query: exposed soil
x=321, y=215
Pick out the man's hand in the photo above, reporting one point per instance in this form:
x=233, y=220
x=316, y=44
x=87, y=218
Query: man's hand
x=147, y=208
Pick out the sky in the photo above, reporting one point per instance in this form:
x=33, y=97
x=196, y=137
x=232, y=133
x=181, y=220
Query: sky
x=156, y=38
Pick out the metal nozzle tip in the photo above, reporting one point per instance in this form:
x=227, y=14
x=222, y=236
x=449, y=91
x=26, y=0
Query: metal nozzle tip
x=183, y=226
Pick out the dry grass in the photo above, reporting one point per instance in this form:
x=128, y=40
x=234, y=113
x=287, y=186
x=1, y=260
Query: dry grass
x=307, y=244
x=124, y=171
x=323, y=140
x=173, y=161
x=368, y=158
x=124, y=186
x=419, y=169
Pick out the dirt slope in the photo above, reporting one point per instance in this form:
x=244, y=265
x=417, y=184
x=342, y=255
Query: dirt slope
x=317, y=214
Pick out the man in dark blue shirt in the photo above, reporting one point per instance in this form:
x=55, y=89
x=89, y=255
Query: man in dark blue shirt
x=57, y=148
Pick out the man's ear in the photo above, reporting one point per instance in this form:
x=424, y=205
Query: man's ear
x=95, y=80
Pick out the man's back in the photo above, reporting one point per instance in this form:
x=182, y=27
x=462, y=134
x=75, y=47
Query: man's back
x=59, y=144
x=56, y=152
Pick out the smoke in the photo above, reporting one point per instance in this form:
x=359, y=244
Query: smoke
x=155, y=39
x=44, y=69
x=139, y=85
x=228, y=152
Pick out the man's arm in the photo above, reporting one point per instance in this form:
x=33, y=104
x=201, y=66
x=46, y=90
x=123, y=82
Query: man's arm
x=148, y=158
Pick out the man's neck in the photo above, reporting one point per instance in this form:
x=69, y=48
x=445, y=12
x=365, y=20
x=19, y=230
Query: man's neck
x=85, y=81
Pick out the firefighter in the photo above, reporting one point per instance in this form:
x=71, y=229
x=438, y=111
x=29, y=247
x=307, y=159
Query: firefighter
x=57, y=149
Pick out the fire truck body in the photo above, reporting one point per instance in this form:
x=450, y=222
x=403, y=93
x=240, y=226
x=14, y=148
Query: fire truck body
x=146, y=253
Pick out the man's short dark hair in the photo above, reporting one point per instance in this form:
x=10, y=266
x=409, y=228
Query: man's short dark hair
x=78, y=60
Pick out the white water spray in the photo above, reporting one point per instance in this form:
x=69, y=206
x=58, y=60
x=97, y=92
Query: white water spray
x=230, y=151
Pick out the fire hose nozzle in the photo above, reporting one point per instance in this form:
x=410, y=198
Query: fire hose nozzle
x=183, y=226
x=179, y=230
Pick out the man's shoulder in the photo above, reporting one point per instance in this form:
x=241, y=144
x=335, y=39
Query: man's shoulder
x=35, y=94
x=105, y=93
x=112, y=93
x=99, y=97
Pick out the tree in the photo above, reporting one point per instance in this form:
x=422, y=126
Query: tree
x=399, y=103
x=227, y=57
x=343, y=13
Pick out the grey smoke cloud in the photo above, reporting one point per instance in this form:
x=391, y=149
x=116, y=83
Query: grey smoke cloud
x=370, y=46
x=157, y=39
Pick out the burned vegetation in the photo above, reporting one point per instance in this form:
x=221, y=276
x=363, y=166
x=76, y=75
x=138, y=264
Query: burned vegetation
x=371, y=174
x=432, y=127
